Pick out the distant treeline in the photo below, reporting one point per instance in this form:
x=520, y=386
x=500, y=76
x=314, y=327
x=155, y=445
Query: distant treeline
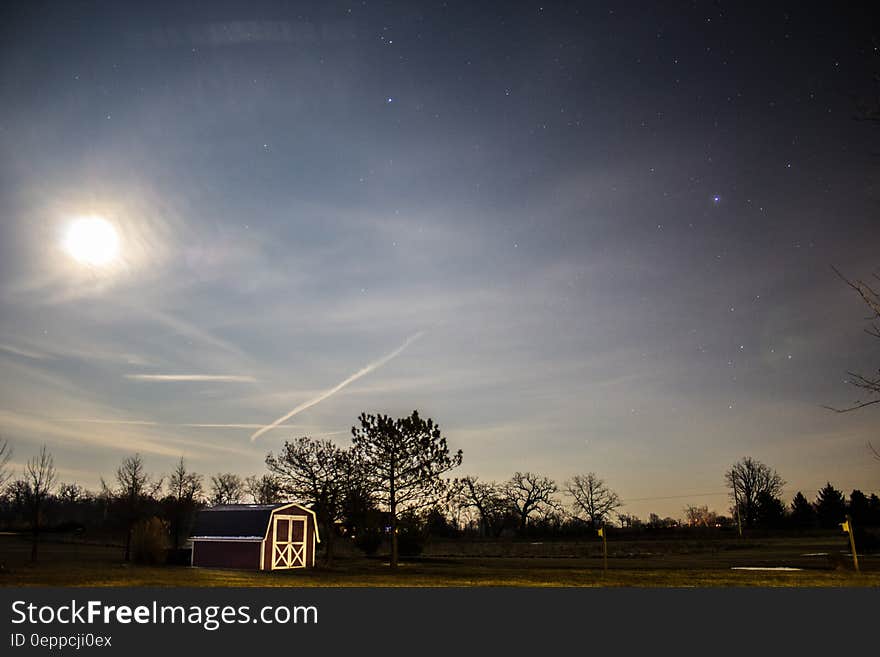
x=150, y=515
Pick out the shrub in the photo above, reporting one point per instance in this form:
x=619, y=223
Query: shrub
x=368, y=539
x=410, y=542
x=149, y=541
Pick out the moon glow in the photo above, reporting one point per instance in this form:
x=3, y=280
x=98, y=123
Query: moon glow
x=92, y=241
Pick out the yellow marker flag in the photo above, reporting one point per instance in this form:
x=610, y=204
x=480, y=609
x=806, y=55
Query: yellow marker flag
x=845, y=526
x=602, y=532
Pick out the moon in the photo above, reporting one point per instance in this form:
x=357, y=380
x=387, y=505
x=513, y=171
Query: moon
x=92, y=241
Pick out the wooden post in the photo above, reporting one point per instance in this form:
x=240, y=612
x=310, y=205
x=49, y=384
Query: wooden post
x=848, y=528
x=604, y=549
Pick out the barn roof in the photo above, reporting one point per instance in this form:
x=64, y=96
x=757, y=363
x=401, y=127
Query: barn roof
x=235, y=520
x=240, y=521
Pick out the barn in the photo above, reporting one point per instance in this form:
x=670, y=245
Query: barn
x=257, y=536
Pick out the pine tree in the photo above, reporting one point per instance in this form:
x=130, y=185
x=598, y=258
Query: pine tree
x=803, y=515
x=830, y=507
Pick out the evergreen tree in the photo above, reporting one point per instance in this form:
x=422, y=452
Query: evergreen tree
x=859, y=508
x=770, y=511
x=803, y=515
x=874, y=510
x=404, y=461
x=830, y=507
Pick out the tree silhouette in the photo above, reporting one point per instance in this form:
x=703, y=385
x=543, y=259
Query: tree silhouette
x=803, y=514
x=488, y=499
x=70, y=493
x=869, y=384
x=316, y=473
x=830, y=506
x=134, y=488
x=185, y=492
x=593, y=501
x=39, y=478
x=529, y=493
x=859, y=508
x=226, y=488
x=747, y=479
x=5, y=456
x=403, y=461
x=700, y=516
x=264, y=489
x=770, y=512
x=874, y=510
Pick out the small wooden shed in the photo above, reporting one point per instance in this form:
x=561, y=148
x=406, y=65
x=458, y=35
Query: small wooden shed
x=257, y=536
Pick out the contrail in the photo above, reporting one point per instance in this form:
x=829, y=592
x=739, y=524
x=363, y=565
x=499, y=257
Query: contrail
x=192, y=377
x=327, y=393
x=204, y=425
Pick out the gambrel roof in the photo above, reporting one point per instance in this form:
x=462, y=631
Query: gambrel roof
x=240, y=521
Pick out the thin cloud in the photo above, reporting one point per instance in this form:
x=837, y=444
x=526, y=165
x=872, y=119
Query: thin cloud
x=237, y=33
x=34, y=427
x=145, y=423
x=138, y=438
x=332, y=391
x=213, y=378
x=189, y=425
x=187, y=329
x=22, y=352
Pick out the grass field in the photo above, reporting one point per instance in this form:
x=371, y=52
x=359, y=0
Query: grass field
x=673, y=564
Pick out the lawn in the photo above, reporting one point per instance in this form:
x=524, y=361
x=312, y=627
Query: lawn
x=664, y=566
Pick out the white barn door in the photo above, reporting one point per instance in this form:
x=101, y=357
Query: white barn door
x=289, y=548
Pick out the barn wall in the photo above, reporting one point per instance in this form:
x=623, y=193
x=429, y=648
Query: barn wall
x=226, y=554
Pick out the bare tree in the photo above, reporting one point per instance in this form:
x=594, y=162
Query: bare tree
x=868, y=384
x=5, y=456
x=264, y=489
x=592, y=501
x=700, y=516
x=134, y=488
x=313, y=472
x=403, y=461
x=868, y=110
x=628, y=520
x=185, y=493
x=488, y=499
x=70, y=493
x=39, y=476
x=226, y=488
x=748, y=479
x=184, y=484
x=529, y=494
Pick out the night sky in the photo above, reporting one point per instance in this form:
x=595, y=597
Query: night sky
x=580, y=236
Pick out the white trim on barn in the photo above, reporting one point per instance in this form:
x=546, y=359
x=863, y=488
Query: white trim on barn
x=304, y=508
x=288, y=553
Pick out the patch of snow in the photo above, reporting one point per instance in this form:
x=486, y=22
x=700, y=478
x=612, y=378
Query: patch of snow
x=785, y=568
